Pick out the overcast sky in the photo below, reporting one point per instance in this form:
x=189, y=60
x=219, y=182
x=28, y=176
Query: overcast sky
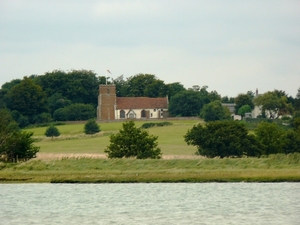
x=231, y=46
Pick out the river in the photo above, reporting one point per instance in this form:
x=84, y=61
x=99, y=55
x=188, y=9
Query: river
x=150, y=203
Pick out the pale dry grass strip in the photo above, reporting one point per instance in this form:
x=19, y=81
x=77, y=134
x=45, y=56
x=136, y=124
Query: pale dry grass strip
x=50, y=156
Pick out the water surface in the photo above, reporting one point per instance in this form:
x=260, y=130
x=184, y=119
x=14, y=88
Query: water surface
x=154, y=203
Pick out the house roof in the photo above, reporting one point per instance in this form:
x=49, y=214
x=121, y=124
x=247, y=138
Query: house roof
x=141, y=103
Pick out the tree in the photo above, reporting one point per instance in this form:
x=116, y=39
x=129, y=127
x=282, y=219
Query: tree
x=243, y=99
x=133, y=142
x=222, y=139
x=75, y=112
x=144, y=85
x=271, y=137
x=27, y=98
x=186, y=103
x=215, y=111
x=273, y=104
x=14, y=144
x=174, y=88
x=91, y=127
x=225, y=99
x=52, y=131
x=79, y=86
x=244, y=109
x=292, y=143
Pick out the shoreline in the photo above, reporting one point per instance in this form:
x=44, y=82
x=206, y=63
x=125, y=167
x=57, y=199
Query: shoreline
x=75, y=169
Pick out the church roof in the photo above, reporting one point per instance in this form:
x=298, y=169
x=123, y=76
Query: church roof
x=141, y=103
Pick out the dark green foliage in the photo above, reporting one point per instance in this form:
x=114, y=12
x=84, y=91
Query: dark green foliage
x=215, y=111
x=186, y=103
x=14, y=144
x=20, y=119
x=91, y=127
x=159, y=124
x=79, y=86
x=271, y=137
x=146, y=85
x=243, y=99
x=133, y=142
x=222, y=139
x=52, y=131
x=27, y=98
x=75, y=112
x=292, y=143
x=174, y=88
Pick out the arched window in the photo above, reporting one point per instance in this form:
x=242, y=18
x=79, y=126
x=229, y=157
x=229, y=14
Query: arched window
x=143, y=113
x=122, y=114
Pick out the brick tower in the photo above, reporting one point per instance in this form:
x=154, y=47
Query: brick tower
x=106, y=102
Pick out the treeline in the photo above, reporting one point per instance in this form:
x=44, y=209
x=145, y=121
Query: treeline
x=232, y=139
x=72, y=95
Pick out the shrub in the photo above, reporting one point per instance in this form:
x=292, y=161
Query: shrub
x=91, y=127
x=159, y=124
x=133, y=142
x=52, y=131
x=222, y=139
x=271, y=137
x=13, y=142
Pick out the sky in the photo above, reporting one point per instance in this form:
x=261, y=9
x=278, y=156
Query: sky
x=231, y=46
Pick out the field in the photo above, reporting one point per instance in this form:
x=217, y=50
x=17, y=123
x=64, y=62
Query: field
x=77, y=158
x=73, y=141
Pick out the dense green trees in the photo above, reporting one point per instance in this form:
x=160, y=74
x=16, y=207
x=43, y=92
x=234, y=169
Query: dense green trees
x=78, y=86
x=231, y=139
x=243, y=99
x=215, y=111
x=27, y=98
x=75, y=112
x=14, y=144
x=133, y=142
x=186, y=103
x=222, y=139
x=91, y=127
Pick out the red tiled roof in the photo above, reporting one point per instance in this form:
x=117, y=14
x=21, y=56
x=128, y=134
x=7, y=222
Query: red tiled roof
x=141, y=103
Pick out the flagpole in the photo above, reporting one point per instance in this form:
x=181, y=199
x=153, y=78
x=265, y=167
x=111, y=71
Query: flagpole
x=106, y=77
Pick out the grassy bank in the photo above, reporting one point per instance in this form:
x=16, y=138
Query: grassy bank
x=72, y=139
x=275, y=168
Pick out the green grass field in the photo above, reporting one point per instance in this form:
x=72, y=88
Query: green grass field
x=73, y=139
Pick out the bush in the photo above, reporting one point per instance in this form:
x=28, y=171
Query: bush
x=271, y=137
x=91, y=127
x=13, y=142
x=215, y=111
x=160, y=124
x=222, y=139
x=133, y=142
x=52, y=131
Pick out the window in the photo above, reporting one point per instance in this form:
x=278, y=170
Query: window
x=107, y=90
x=143, y=113
x=154, y=110
x=122, y=114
